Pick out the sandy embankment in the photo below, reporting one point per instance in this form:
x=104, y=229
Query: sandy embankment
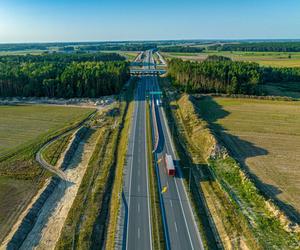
x=52, y=215
x=46, y=230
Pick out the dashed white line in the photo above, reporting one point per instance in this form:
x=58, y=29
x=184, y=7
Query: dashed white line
x=139, y=188
x=139, y=233
x=171, y=203
x=175, y=226
x=139, y=207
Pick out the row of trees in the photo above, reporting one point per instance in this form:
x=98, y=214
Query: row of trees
x=226, y=76
x=259, y=46
x=62, y=79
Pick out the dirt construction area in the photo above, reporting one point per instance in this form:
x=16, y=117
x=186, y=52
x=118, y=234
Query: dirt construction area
x=53, y=213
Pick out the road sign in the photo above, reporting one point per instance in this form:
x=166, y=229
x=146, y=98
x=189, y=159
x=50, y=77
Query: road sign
x=155, y=93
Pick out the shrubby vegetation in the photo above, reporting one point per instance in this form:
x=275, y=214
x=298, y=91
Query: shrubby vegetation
x=76, y=75
x=259, y=46
x=220, y=75
x=185, y=49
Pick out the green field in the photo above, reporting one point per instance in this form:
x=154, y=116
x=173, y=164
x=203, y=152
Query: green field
x=274, y=59
x=264, y=136
x=130, y=55
x=22, y=130
x=22, y=124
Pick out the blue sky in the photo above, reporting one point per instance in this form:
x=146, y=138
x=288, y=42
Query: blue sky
x=102, y=20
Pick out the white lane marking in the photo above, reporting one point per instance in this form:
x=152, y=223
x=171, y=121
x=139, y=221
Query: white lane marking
x=134, y=128
x=139, y=208
x=139, y=172
x=139, y=233
x=139, y=188
x=187, y=228
x=175, y=226
x=148, y=196
x=171, y=203
x=191, y=211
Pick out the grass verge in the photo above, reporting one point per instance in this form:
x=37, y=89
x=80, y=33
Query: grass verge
x=52, y=153
x=114, y=207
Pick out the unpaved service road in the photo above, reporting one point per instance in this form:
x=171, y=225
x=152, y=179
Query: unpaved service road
x=46, y=231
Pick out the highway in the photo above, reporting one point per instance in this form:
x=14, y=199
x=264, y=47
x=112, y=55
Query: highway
x=180, y=229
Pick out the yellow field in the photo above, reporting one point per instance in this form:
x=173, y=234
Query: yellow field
x=274, y=59
x=264, y=136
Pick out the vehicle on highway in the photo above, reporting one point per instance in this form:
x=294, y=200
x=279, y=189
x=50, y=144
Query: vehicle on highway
x=158, y=102
x=170, y=168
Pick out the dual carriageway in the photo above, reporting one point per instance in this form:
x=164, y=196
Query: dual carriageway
x=179, y=224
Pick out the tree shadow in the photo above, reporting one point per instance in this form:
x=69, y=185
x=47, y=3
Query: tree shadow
x=240, y=150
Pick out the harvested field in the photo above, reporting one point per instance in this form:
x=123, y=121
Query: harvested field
x=264, y=136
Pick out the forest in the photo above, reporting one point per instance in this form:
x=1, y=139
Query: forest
x=184, y=49
x=226, y=76
x=63, y=57
x=61, y=75
x=122, y=47
x=259, y=46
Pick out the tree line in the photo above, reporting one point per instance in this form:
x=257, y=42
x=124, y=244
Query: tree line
x=226, y=76
x=122, y=47
x=259, y=46
x=183, y=49
x=67, y=77
x=63, y=58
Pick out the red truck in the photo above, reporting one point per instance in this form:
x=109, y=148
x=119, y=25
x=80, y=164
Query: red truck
x=169, y=165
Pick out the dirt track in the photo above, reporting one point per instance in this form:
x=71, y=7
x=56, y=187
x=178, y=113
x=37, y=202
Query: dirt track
x=46, y=230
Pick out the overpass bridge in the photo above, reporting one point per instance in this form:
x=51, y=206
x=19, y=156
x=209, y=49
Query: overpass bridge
x=147, y=71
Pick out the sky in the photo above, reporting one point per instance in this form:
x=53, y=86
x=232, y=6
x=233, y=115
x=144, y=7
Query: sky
x=107, y=20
